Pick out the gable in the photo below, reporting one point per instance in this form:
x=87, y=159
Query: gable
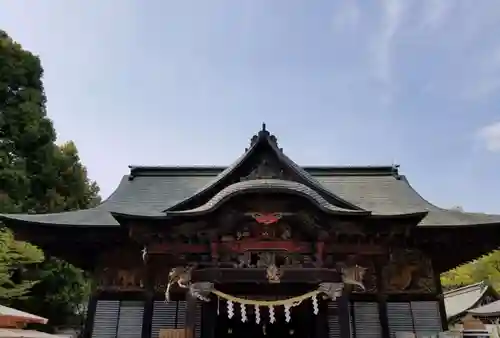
x=263, y=160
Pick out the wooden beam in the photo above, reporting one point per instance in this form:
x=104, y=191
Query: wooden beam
x=258, y=275
x=258, y=245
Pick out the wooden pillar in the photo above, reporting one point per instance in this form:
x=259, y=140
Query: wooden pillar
x=149, y=283
x=89, y=320
x=344, y=316
x=382, y=297
x=209, y=318
x=190, y=315
x=214, y=251
x=440, y=300
x=147, y=319
x=321, y=320
x=320, y=249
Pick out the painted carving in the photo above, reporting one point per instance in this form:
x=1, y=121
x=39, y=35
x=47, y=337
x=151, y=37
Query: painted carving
x=180, y=276
x=201, y=290
x=408, y=271
x=353, y=275
x=331, y=290
x=266, y=259
x=244, y=233
x=120, y=278
x=244, y=260
x=356, y=270
x=273, y=274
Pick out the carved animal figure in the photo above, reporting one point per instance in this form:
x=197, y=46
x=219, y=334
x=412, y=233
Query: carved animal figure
x=353, y=275
x=273, y=274
x=181, y=276
x=331, y=290
x=201, y=290
x=126, y=278
x=401, y=278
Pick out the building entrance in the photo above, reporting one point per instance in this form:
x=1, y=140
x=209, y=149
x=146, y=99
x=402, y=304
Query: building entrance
x=300, y=325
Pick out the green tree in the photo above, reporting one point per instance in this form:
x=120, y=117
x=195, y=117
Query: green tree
x=486, y=268
x=37, y=176
x=15, y=256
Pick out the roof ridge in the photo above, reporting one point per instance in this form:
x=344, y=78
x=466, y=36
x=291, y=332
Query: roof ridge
x=340, y=170
x=463, y=288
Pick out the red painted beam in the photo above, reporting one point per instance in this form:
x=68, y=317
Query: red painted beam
x=251, y=245
x=256, y=245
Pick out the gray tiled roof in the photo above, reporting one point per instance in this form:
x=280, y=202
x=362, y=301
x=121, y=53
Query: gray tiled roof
x=153, y=191
x=491, y=309
x=270, y=185
x=459, y=300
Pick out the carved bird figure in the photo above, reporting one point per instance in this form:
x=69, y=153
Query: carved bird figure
x=353, y=275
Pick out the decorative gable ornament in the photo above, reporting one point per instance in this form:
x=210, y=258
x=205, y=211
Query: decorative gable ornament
x=266, y=218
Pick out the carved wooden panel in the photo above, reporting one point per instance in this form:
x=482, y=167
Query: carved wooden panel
x=408, y=271
x=121, y=279
x=370, y=276
x=121, y=269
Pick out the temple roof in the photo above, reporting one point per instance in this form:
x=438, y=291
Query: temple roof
x=488, y=310
x=464, y=299
x=158, y=192
x=459, y=300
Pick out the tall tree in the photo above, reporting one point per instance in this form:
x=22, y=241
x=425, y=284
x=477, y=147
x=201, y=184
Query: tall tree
x=37, y=176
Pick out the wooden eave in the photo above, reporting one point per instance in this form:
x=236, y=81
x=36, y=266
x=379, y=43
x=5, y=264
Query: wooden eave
x=451, y=247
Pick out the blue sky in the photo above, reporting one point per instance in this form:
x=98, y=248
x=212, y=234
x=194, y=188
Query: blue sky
x=416, y=82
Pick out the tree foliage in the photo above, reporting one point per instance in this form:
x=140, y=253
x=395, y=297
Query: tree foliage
x=15, y=255
x=486, y=268
x=36, y=176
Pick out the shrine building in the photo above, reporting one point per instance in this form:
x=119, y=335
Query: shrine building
x=263, y=247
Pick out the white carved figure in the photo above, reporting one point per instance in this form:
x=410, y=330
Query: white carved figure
x=353, y=275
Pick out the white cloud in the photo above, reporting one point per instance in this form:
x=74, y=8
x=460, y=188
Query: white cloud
x=392, y=16
x=490, y=135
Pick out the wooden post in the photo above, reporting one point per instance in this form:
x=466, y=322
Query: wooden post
x=440, y=299
x=344, y=316
x=147, y=318
x=89, y=321
x=214, y=251
x=322, y=320
x=320, y=249
x=190, y=315
x=209, y=318
x=149, y=283
x=381, y=297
